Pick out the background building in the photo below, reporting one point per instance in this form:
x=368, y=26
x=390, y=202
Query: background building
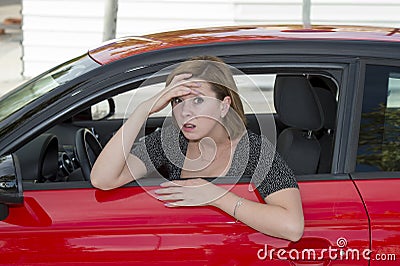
x=56, y=30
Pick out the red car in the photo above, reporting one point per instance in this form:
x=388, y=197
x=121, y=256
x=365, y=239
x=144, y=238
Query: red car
x=52, y=129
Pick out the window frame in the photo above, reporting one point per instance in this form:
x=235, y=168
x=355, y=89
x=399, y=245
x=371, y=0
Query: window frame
x=338, y=67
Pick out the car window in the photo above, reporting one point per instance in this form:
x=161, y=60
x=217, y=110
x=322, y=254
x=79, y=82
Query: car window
x=379, y=139
x=255, y=91
x=126, y=102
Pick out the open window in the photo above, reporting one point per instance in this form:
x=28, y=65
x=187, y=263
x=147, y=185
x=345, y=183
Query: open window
x=257, y=92
x=57, y=156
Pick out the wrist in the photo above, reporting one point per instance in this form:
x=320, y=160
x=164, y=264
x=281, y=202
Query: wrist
x=239, y=203
x=226, y=201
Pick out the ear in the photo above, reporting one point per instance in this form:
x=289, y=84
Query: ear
x=225, y=105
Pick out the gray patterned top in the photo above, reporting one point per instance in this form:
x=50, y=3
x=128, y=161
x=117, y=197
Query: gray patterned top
x=254, y=156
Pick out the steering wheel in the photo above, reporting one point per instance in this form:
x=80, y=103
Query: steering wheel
x=88, y=149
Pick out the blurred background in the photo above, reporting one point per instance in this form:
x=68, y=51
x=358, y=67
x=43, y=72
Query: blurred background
x=36, y=35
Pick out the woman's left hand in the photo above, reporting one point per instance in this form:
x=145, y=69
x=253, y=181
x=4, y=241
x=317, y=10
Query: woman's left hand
x=190, y=192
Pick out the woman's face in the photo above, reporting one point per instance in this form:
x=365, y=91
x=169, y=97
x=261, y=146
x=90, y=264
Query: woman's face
x=199, y=113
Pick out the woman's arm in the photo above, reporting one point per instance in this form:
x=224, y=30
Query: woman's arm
x=281, y=217
x=113, y=168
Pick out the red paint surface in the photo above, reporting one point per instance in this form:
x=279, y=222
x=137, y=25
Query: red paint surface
x=127, y=226
x=125, y=47
x=381, y=198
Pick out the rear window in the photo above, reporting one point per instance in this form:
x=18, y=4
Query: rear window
x=379, y=139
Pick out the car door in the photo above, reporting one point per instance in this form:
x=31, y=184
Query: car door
x=336, y=222
x=127, y=226
x=377, y=173
x=74, y=223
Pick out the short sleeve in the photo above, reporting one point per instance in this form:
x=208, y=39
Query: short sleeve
x=279, y=177
x=271, y=173
x=149, y=151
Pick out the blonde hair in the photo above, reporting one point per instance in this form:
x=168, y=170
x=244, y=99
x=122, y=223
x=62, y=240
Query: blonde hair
x=214, y=71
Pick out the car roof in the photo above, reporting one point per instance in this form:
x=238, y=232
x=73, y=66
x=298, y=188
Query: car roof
x=124, y=47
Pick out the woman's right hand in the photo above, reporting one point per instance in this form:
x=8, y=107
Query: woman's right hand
x=179, y=86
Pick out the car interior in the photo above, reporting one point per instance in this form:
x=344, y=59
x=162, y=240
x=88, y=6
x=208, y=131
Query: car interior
x=304, y=115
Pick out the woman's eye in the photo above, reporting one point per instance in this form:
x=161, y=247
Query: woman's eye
x=198, y=100
x=176, y=100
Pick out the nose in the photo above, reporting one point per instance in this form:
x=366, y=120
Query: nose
x=186, y=108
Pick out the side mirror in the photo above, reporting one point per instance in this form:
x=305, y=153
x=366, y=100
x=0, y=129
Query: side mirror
x=103, y=109
x=10, y=184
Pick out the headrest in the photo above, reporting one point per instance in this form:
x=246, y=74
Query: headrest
x=296, y=103
x=328, y=101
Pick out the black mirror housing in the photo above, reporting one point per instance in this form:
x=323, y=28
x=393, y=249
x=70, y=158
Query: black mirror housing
x=10, y=184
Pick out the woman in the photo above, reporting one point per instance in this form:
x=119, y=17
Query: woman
x=208, y=139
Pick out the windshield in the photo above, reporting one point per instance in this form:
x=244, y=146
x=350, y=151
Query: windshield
x=37, y=87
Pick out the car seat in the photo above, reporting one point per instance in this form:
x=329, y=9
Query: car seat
x=326, y=135
x=298, y=107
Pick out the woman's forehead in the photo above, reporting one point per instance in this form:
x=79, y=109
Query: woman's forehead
x=201, y=86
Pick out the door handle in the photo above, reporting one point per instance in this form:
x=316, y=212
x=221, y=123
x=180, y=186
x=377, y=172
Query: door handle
x=313, y=251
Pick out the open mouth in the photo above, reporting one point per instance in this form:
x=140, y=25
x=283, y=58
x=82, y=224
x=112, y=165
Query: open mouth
x=188, y=126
